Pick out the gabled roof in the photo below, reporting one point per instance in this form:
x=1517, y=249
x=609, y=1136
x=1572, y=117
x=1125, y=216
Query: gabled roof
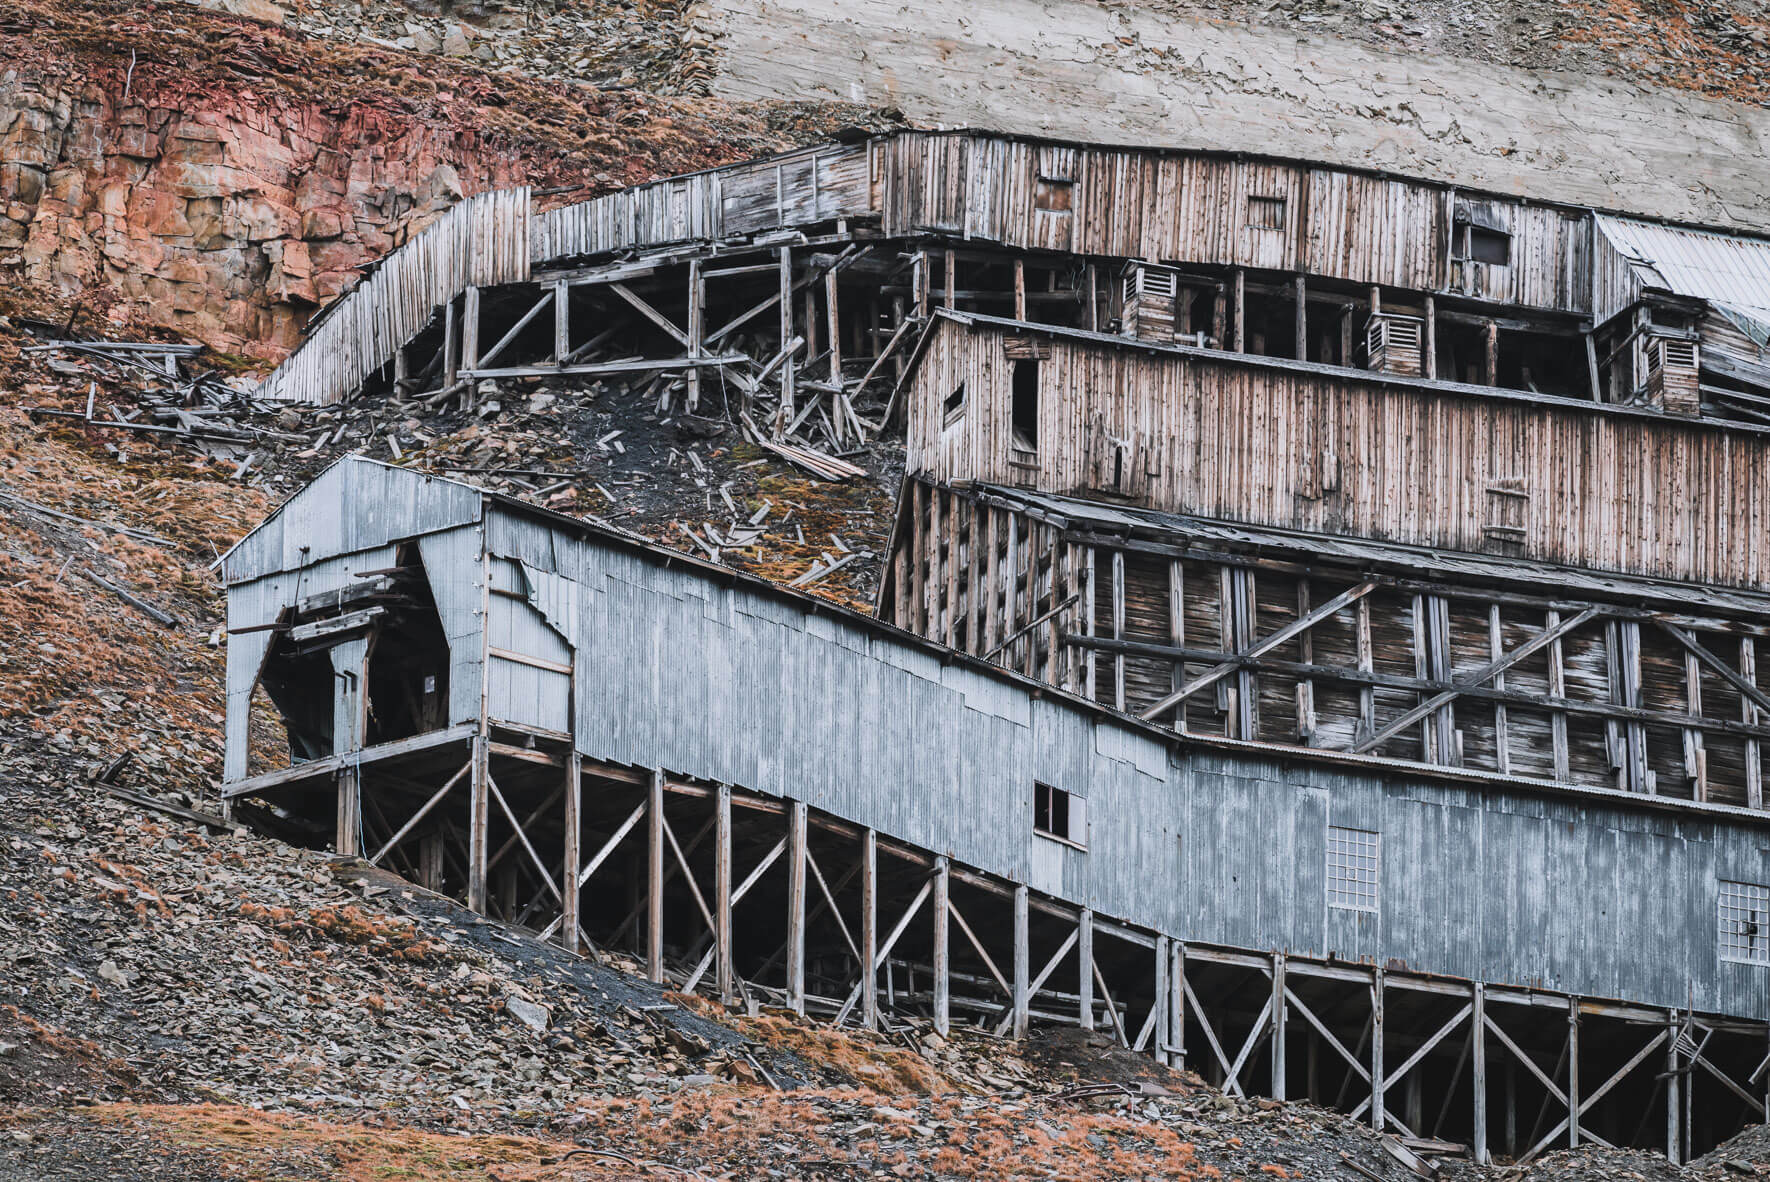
x=1730, y=271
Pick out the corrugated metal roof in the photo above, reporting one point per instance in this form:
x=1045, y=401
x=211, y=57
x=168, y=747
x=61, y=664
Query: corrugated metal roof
x=1719, y=268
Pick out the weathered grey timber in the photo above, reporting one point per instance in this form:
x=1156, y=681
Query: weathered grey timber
x=1282, y=234
x=1590, y=892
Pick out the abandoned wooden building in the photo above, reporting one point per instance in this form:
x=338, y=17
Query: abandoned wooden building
x=800, y=279
x=1319, y=646
x=557, y=722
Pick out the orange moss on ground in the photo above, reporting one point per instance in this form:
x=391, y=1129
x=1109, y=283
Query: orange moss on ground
x=1676, y=43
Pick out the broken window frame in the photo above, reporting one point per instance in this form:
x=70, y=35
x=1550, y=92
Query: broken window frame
x=1267, y=211
x=1059, y=815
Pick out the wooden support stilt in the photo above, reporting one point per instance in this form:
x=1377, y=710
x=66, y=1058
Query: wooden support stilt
x=1022, y=961
x=697, y=328
x=869, y=928
x=470, y=329
x=478, y=810
x=722, y=971
x=350, y=812
x=1478, y=1074
x=1118, y=628
x=1674, y=1088
x=654, y=882
x=451, y=345
x=785, y=414
x=1430, y=348
x=1240, y=311
x=952, y=278
x=1302, y=298
x=1085, y=968
x=1279, y=1042
x=1019, y=289
x=1377, y=1085
x=1163, y=988
x=796, y=906
x=1573, y=1072
x=943, y=1025
x=1177, y=1004
x=430, y=861
x=568, y=879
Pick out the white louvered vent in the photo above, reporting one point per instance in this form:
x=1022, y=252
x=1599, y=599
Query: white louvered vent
x=1392, y=344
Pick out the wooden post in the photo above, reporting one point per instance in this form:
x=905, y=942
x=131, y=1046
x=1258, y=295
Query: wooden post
x=1302, y=289
x=1378, y=1118
x=1085, y=965
x=1573, y=1072
x=952, y=271
x=350, y=812
x=869, y=928
x=568, y=884
x=1011, y=591
x=1177, y=1004
x=1240, y=316
x=1088, y=604
x=1118, y=629
x=1478, y=1076
x=478, y=801
x=697, y=315
x=1748, y=713
x=920, y=282
x=1020, y=289
x=785, y=416
x=1022, y=961
x=1430, y=360
x=1490, y=365
x=1163, y=1015
x=451, y=345
x=470, y=329
x=1279, y=1047
x=430, y=861
x=654, y=882
x=796, y=907
x=1093, y=299
x=943, y=1024
x=562, y=322
x=833, y=321
x=722, y=894
x=1557, y=689
x=1674, y=1084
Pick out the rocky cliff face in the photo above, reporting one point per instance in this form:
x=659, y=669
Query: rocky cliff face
x=226, y=220
x=164, y=166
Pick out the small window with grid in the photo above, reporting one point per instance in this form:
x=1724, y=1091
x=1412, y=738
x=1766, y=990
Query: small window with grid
x=1745, y=922
x=1351, y=868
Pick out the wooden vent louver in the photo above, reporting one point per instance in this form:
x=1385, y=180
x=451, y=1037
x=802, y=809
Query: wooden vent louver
x=1149, y=301
x=1392, y=344
x=1673, y=374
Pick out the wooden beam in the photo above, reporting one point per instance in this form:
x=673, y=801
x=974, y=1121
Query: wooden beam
x=1085, y=968
x=527, y=318
x=1264, y=645
x=943, y=1023
x=869, y=929
x=652, y=314
x=697, y=329
x=796, y=907
x=654, y=894
x=477, y=819
x=1487, y=671
x=1022, y=958
x=722, y=895
x=568, y=911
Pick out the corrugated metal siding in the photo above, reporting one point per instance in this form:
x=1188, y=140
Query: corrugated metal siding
x=353, y=505
x=678, y=667
x=1244, y=442
x=1585, y=897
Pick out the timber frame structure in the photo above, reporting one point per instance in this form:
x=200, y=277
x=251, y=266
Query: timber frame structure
x=999, y=851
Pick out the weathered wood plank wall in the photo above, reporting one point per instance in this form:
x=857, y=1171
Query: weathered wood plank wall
x=481, y=241
x=1276, y=443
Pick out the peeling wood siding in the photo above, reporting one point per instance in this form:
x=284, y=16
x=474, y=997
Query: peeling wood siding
x=1177, y=207
x=1333, y=454
x=481, y=241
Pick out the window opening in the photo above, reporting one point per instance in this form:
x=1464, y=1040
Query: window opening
x=1744, y=911
x=1058, y=814
x=1351, y=868
x=1053, y=194
x=954, y=406
x=1266, y=213
x=1025, y=411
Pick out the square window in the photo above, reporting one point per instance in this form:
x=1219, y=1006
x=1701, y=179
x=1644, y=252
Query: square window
x=1745, y=922
x=1054, y=194
x=1266, y=213
x=953, y=408
x=1058, y=814
x=1352, y=868
x=1483, y=244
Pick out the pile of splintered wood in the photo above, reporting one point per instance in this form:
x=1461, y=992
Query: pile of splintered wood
x=172, y=399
